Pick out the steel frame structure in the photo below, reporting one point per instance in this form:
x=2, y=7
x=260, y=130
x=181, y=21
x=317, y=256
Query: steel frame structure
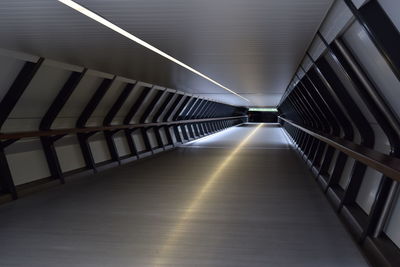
x=328, y=128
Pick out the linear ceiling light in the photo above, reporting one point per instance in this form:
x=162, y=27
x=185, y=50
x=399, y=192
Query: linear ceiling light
x=117, y=29
x=264, y=109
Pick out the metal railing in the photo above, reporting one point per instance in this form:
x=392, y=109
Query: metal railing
x=387, y=165
x=67, y=131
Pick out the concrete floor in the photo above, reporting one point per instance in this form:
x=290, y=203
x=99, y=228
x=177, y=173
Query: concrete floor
x=241, y=197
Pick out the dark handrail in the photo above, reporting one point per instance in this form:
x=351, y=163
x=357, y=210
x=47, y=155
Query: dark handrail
x=387, y=165
x=58, y=132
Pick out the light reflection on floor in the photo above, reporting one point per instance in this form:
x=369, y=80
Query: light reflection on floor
x=269, y=136
x=196, y=202
x=192, y=206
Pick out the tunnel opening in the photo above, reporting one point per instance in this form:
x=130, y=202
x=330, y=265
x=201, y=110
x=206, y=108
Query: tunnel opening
x=267, y=115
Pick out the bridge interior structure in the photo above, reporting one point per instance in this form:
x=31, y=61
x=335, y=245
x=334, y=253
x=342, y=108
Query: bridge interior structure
x=200, y=133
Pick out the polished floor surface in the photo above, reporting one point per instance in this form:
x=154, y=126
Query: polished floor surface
x=241, y=197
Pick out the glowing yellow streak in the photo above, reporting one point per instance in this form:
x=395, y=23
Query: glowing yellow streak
x=177, y=231
x=83, y=10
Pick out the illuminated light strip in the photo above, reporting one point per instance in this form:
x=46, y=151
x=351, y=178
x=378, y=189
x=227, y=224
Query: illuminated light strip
x=194, y=205
x=264, y=109
x=130, y=36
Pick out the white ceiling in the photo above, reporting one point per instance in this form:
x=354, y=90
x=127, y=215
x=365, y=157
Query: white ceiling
x=251, y=46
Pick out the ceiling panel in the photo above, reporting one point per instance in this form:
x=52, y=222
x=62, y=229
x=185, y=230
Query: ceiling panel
x=251, y=46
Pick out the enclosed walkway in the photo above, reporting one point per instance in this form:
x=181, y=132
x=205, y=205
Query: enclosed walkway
x=241, y=197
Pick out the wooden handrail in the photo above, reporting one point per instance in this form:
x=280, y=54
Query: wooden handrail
x=57, y=132
x=386, y=164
